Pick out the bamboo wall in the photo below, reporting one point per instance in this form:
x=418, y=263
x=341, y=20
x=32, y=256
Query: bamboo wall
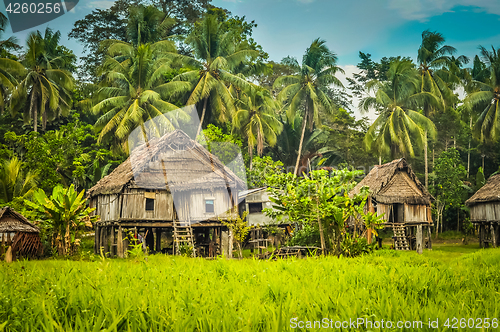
x=412, y=213
x=485, y=212
x=190, y=205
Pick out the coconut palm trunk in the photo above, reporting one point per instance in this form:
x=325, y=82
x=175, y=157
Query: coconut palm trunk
x=34, y=110
x=426, y=162
x=301, y=139
x=202, y=116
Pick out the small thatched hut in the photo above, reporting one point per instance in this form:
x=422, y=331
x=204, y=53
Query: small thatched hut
x=173, y=185
x=484, y=208
x=16, y=231
x=402, y=200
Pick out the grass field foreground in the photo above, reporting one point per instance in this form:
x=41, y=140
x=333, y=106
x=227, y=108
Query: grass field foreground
x=160, y=293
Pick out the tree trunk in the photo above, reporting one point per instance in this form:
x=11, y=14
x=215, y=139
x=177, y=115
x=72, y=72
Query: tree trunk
x=379, y=160
x=34, y=110
x=301, y=140
x=426, y=163
x=458, y=220
x=202, y=117
x=468, y=151
x=230, y=243
x=250, y=153
x=321, y=236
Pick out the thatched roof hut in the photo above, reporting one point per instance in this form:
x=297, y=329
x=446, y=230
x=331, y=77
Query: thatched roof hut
x=485, y=203
x=397, y=193
x=187, y=165
x=168, y=182
x=26, y=241
x=395, y=182
x=484, y=208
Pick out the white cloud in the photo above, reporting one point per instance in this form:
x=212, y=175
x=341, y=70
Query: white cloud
x=349, y=71
x=421, y=10
x=100, y=4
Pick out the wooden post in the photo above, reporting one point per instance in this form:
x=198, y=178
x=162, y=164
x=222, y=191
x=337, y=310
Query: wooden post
x=419, y=239
x=158, y=239
x=112, y=245
x=126, y=244
x=96, y=240
x=481, y=236
x=3, y=244
x=429, y=234
x=150, y=239
x=119, y=243
x=493, y=236
x=106, y=240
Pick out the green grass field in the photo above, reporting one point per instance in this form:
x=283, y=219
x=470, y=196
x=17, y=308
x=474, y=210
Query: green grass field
x=161, y=293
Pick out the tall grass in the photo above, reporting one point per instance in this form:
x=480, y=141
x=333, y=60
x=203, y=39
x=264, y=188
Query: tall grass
x=185, y=294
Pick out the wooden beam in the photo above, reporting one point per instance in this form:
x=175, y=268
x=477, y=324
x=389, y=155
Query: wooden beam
x=429, y=234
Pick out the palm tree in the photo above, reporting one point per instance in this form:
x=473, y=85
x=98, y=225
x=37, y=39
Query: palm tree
x=48, y=83
x=433, y=58
x=9, y=44
x=14, y=182
x=435, y=77
x=255, y=118
x=308, y=87
x=147, y=24
x=399, y=128
x=216, y=54
x=487, y=98
x=134, y=90
x=10, y=69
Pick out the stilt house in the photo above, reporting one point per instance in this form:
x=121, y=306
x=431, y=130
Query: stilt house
x=484, y=208
x=19, y=234
x=403, y=202
x=171, y=186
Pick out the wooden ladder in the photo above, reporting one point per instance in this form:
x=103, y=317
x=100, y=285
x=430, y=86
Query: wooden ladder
x=400, y=240
x=183, y=235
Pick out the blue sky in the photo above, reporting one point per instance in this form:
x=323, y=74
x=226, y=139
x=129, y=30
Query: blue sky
x=379, y=27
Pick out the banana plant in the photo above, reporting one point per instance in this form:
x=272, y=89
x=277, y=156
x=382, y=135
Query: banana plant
x=66, y=212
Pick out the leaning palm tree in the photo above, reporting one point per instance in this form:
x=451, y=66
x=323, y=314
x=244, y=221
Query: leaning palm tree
x=487, y=98
x=308, y=86
x=10, y=70
x=9, y=44
x=134, y=91
x=255, y=118
x=399, y=129
x=46, y=89
x=14, y=182
x=216, y=54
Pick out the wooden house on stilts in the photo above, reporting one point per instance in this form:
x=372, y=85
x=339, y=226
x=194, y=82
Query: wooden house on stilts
x=402, y=200
x=170, y=186
x=484, y=208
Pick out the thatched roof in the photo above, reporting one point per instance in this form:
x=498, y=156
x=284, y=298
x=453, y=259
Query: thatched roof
x=394, y=182
x=13, y=222
x=172, y=162
x=490, y=192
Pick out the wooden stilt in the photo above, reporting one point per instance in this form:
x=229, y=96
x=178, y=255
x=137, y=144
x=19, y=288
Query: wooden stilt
x=419, y=237
x=493, y=236
x=429, y=234
x=112, y=245
x=150, y=239
x=481, y=236
x=119, y=243
x=158, y=239
x=96, y=239
x=3, y=244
